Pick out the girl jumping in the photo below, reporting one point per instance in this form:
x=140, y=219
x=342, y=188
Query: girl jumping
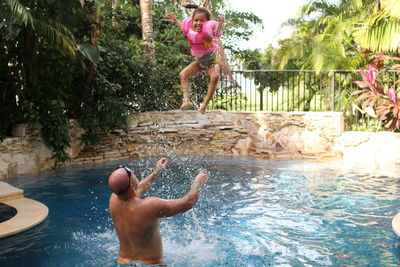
x=202, y=33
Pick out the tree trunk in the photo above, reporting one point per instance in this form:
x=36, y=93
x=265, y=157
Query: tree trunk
x=147, y=29
x=114, y=5
x=94, y=12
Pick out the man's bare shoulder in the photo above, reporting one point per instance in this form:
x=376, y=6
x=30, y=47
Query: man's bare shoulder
x=153, y=204
x=153, y=201
x=113, y=201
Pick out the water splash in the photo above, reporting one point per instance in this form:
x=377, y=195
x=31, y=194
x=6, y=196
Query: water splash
x=96, y=248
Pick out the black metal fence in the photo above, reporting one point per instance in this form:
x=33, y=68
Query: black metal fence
x=297, y=90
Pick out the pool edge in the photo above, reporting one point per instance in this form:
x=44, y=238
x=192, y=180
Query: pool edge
x=396, y=224
x=29, y=214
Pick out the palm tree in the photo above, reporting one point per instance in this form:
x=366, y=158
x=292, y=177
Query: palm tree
x=114, y=5
x=93, y=12
x=337, y=33
x=325, y=41
x=146, y=7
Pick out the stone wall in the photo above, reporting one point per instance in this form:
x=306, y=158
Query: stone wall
x=265, y=135
x=28, y=154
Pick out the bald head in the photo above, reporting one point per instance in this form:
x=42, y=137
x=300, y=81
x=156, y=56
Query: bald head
x=119, y=180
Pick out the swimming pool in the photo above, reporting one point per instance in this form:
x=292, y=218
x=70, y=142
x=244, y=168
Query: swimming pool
x=251, y=213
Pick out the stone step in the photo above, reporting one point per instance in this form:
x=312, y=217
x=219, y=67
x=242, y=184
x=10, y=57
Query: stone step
x=8, y=192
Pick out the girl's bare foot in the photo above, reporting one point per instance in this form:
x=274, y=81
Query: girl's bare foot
x=185, y=105
x=202, y=109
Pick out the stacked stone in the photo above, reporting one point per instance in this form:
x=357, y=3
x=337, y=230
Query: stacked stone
x=264, y=135
x=29, y=154
x=111, y=147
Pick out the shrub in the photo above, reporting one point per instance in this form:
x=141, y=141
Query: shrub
x=379, y=93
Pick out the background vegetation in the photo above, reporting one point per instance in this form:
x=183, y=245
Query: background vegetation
x=335, y=35
x=92, y=61
x=84, y=60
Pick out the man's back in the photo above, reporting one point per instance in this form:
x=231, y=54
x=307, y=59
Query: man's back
x=137, y=227
x=136, y=220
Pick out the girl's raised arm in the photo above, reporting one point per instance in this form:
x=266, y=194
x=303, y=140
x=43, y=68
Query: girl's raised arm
x=172, y=18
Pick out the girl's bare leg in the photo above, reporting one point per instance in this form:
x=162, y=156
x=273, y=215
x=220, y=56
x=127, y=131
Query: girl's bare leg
x=213, y=73
x=192, y=69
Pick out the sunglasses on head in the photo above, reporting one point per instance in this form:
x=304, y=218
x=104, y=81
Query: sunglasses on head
x=129, y=172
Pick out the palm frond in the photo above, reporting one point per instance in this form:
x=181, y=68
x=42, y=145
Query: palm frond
x=379, y=33
x=20, y=11
x=57, y=33
x=392, y=7
x=50, y=29
x=319, y=6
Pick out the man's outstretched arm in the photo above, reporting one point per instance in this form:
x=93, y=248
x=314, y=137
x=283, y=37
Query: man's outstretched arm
x=172, y=207
x=145, y=184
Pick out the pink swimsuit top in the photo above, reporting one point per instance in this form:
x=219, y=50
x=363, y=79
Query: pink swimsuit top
x=202, y=42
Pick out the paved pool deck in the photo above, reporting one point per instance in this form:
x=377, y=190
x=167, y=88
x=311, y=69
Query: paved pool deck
x=29, y=212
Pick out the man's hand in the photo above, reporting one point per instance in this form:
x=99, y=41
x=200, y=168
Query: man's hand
x=145, y=184
x=201, y=179
x=161, y=164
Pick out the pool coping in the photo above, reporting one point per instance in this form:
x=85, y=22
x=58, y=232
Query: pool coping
x=396, y=224
x=29, y=212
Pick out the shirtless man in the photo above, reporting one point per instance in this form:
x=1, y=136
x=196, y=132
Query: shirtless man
x=136, y=220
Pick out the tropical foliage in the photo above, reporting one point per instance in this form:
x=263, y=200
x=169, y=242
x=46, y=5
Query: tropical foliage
x=83, y=60
x=379, y=94
x=330, y=35
x=323, y=37
x=380, y=31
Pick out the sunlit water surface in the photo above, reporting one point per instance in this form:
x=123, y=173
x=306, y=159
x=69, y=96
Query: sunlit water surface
x=251, y=213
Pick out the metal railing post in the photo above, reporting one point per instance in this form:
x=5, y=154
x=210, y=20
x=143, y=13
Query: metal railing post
x=333, y=92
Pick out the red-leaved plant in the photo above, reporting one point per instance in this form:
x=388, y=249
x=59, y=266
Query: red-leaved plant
x=377, y=97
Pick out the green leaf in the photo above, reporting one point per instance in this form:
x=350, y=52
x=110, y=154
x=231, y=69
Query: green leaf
x=100, y=2
x=89, y=52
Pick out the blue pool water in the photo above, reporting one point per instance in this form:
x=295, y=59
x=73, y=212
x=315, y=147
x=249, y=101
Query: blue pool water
x=251, y=213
